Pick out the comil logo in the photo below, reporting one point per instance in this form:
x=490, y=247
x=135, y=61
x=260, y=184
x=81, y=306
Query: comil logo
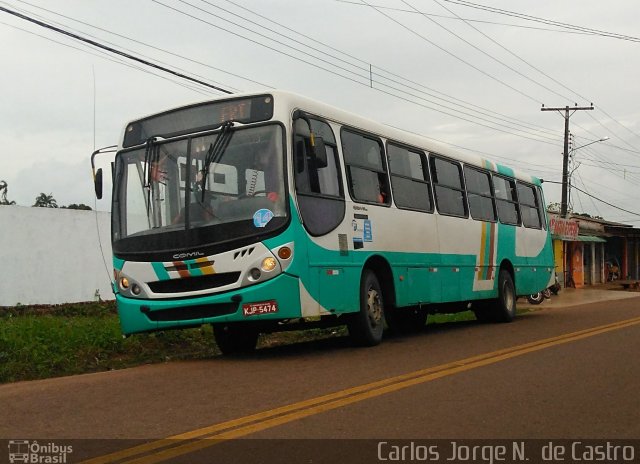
x=38, y=453
x=193, y=254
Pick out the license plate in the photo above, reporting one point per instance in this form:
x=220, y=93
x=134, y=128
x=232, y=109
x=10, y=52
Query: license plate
x=263, y=307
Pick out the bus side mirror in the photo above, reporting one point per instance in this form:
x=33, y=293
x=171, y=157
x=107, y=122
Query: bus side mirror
x=319, y=152
x=97, y=181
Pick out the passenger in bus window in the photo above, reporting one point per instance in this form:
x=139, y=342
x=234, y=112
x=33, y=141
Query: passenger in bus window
x=264, y=163
x=383, y=195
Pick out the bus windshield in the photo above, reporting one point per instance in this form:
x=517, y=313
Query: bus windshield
x=199, y=190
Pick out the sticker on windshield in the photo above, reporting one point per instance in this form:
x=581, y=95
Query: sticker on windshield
x=262, y=217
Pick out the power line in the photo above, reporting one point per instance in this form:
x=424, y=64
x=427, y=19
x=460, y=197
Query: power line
x=508, y=121
x=608, y=144
x=482, y=51
x=403, y=80
x=103, y=55
x=342, y=68
x=352, y=79
x=163, y=50
x=585, y=187
x=448, y=99
x=141, y=69
x=543, y=20
x=509, y=67
x=402, y=10
x=594, y=31
x=110, y=49
x=630, y=177
x=106, y=55
x=515, y=55
x=583, y=141
x=606, y=160
x=547, y=76
x=596, y=198
x=417, y=34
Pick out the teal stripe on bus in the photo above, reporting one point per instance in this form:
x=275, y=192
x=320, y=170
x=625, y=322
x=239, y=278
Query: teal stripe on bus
x=160, y=271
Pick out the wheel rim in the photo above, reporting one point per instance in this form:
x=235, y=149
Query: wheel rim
x=374, y=307
x=507, y=295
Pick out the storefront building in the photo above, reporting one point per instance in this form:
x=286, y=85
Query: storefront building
x=623, y=250
x=591, y=251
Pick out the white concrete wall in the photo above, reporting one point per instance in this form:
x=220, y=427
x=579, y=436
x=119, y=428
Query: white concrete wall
x=52, y=256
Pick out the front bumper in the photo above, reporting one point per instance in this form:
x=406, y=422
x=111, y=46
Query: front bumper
x=151, y=315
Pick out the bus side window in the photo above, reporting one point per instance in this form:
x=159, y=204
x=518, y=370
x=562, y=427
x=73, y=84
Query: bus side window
x=529, y=206
x=409, y=178
x=541, y=209
x=366, y=168
x=481, y=200
x=506, y=200
x=448, y=187
x=310, y=177
x=318, y=186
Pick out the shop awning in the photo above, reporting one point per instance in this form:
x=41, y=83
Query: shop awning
x=590, y=238
x=580, y=238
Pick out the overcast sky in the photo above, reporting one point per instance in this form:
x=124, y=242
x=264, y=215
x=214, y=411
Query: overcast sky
x=461, y=75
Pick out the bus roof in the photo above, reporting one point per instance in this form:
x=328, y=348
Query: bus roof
x=399, y=135
x=293, y=101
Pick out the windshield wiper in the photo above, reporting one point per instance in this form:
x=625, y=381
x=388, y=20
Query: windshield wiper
x=216, y=150
x=151, y=159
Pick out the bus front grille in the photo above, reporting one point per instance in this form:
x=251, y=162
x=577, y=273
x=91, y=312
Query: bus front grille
x=189, y=313
x=193, y=284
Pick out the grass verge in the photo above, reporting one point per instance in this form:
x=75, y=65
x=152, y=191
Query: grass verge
x=39, y=342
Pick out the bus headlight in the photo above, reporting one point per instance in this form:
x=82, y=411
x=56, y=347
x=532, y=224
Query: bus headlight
x=124, y=283
x=268, y=264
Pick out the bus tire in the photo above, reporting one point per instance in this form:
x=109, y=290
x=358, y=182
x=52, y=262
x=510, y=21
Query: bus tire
x=505, y=306
x=501, y=309
x=367, y=325
x=235, y=338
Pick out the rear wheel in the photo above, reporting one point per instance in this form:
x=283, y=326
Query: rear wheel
x=235, y=338
x=366, y=326
x=505, y=307
x=502, y=309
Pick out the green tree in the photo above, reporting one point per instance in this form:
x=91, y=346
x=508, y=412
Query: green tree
x=45, y=201
x=80, y=206
x=556, y=208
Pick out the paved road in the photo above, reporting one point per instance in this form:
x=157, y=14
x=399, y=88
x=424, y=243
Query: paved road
x=561, y=372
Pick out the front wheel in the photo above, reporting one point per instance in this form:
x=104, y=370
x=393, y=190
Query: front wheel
x=235, y=338
x=366, y=326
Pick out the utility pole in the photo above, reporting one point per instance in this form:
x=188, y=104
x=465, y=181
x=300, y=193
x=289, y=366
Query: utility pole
x=568, y=112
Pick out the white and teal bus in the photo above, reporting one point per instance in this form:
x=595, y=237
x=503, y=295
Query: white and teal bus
x=264, y=212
